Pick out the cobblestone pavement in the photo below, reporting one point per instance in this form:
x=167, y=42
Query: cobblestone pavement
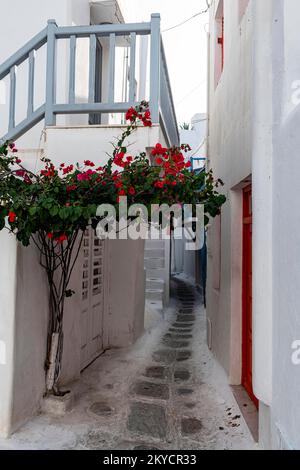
x=166, y=392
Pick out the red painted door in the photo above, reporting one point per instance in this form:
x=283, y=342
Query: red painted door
x=247, y=295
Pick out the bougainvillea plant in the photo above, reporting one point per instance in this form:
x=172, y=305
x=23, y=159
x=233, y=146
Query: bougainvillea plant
x=53, y=207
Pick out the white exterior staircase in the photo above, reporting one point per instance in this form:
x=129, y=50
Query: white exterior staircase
x=157, y=259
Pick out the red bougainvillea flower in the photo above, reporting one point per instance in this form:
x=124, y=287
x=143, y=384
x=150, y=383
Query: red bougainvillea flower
x=122, y=192
x=146, y=122
x=118, y=160
x=49, y=171
x=18, y=161
x=72, y=187
x=158, y=150
x=12, y=145
x=178, y=158
x=159, y=184
x=85, y=176
x=89, y=163
x=131, y=191
x=118, y=184
x=68, y=169
x=131, y=114
x=50, y=235
x=12, y=217
x=62, y=238
x=20, y=173
x=159, y=161
x=188, y=165
x=27, y=179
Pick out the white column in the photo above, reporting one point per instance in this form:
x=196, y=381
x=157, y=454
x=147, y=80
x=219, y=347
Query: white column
x=8, y=255
x=262, y=200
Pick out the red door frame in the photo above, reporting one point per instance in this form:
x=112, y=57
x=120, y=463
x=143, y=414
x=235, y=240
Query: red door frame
x=247, y=295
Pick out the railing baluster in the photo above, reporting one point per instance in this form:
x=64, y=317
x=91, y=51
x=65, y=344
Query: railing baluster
x=111, y=68
x=31, y=83
x=72, y=69
x=132, y=67
x=92, y=72
x=160, y=90
x=12, y=100
x=50, y=119
x=155, y=67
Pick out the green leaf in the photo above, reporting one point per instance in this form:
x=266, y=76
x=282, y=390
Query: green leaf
x=33, y=210
x=54, y=211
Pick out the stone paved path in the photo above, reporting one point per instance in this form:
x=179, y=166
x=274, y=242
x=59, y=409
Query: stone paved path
x=165, y=392
x=170, y=380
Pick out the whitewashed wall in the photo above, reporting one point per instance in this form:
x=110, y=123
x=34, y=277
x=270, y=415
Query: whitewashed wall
x=286, y=223
x=229, y=154
x=254, y=129
x=24, y=295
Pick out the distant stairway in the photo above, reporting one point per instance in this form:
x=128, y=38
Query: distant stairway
x=157, y=273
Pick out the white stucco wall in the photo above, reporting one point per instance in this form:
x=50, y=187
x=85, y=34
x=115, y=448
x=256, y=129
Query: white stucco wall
x=184, y=260
x=71, y=144
x=230, y=115
x=286, y=223
x=262, y=183
x=7, y=326
x=124, y=318
x=267, y=45
x=24, y=295
x=24, y=299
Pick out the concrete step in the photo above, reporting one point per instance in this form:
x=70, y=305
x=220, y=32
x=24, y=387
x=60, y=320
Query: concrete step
x=152, y=283
x=155, y=294
x=159, y=273
x=154, y=244
x=154, y=253
x=156, y=304
x=154, y=263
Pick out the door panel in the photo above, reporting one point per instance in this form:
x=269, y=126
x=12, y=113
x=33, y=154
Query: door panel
x=247, y=349
x=92, y=298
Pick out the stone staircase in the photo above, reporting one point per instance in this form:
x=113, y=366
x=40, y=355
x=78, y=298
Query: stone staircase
x=157, y=273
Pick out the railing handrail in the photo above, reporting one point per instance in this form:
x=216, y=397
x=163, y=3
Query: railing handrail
x=64, y=32
x=50, y=108
x=168, y=83
x=22, y=54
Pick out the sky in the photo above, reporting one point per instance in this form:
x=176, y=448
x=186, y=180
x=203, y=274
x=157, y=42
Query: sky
x=185, y=47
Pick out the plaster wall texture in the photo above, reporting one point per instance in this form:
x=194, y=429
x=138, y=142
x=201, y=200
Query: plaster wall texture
x=285, y=410
x=25, y=287
x=24, y=298
x=254, y=123
x=230, y=148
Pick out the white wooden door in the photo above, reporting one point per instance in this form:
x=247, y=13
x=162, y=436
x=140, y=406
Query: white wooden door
x=92, y=298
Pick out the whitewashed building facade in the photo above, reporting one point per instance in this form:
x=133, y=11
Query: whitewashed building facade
x=85, y=60
x=253, y=252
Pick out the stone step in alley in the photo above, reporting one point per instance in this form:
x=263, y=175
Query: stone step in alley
x=165, y=392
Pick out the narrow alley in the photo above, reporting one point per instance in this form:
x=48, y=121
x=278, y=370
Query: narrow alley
x=166, y=392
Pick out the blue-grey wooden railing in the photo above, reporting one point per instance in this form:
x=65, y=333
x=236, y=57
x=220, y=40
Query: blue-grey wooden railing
x=161, y=101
